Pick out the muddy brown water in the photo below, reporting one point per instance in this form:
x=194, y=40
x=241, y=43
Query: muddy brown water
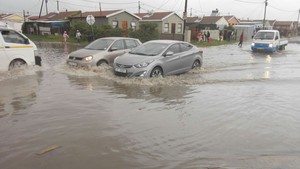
x=241, y=110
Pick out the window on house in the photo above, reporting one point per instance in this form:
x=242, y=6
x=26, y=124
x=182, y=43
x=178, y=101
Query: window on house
x=115, y=24
x=166, y=27
x=179, y=28
x=133, y=25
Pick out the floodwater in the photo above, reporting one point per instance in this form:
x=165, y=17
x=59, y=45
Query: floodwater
x=239, y=111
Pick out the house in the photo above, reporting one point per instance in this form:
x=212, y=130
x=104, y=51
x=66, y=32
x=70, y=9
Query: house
x=286, y=28
x=170, y=25
x=213, y=22
x=193, y=24
x=14, y=21
x=52, y=23
x=232, y=20
x=116, y=18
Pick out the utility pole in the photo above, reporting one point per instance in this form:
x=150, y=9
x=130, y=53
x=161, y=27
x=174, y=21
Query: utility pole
x=24, y=15
x=41, y=8
x=139, y=7
x=298, y=23
x=47, y=7
x=191, y=12
x=100, y=9
x=57, y=6
x=264, y=21
x=184, y=18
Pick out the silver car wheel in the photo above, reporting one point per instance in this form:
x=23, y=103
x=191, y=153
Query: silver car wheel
x=16, y=64
x=102, y=63
x=156, y=72
x=196, y=64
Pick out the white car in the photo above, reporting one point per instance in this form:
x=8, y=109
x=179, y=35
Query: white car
x=16, y=50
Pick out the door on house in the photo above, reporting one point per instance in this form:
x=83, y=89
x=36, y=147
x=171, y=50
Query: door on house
x=124, y=25
x=173, y=28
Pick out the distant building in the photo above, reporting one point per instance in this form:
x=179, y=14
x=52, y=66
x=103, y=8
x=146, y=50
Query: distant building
x=286, y=28
x=13, y=21
x=116, y=18
x=232, y=20
x=52, y=23
x=214, y=22
x=170, y=25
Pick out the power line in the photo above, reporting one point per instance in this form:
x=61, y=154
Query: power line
x=282, y=9
x=257, y=2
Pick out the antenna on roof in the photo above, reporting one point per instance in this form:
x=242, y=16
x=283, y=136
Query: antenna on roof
x=150, y=12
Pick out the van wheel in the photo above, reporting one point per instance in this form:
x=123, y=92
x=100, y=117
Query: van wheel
x=102, y=63
x=15, y=64
x=196, y=64
x=156, y=72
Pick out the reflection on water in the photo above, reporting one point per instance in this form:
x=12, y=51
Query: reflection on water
x=232, y=113
x=17, y=94
x=172, y=94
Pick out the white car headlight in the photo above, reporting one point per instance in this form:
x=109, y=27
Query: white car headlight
x=253, y=44
x=270, y=45
x=88, y=58
x=144, y=64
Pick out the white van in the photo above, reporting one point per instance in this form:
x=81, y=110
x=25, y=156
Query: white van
x=16, y=50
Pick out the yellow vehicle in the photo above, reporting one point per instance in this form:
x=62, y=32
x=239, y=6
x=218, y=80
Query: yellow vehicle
x=16, y=50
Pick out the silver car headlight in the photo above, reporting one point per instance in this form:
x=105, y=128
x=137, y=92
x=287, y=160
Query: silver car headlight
x=144, y=64
x=88, y=58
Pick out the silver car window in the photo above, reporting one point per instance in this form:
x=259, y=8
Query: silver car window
x=130, y=43
x=100, y=44
x=185, y=47
x=119, y=45
x=150, y=49
x=174, y=48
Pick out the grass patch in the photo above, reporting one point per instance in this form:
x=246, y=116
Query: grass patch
x=213, y=43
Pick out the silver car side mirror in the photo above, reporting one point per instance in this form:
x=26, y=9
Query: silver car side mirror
x=169, y=53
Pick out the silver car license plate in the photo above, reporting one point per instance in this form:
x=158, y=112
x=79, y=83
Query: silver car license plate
x=121, y=70
x=72, y=63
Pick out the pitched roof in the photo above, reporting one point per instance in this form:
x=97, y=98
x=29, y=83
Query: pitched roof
x=156, y=16
x=99, y=14
x=283, y=23
x=193, y=19
x=210, y=19
x=52, y=16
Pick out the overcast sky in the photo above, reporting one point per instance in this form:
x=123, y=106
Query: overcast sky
x=243, y=9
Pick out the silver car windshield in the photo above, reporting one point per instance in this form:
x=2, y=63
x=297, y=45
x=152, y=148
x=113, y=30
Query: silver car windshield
x=264, y=35
x=150, y=49
x=100, y=44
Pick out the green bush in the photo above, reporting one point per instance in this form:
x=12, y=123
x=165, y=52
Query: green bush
x=147, y=31
x=99, y=31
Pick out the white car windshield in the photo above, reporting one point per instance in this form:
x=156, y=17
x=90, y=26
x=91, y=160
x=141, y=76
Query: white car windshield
x=264, y=35
x=100, y=44
x=150, y=49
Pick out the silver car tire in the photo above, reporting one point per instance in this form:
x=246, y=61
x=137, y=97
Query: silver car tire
x=15, y=64
x=102, y=63
x=156, y=72
x=196, y=64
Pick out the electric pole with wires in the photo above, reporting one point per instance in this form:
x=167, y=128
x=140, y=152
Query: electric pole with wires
x=264, y=21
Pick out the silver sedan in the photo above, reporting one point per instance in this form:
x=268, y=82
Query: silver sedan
x=158, y=58
x=102, y=51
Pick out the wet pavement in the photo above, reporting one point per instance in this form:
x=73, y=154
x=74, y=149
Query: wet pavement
x=239, y=111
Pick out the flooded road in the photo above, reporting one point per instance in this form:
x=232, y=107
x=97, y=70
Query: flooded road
x=239, y=111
